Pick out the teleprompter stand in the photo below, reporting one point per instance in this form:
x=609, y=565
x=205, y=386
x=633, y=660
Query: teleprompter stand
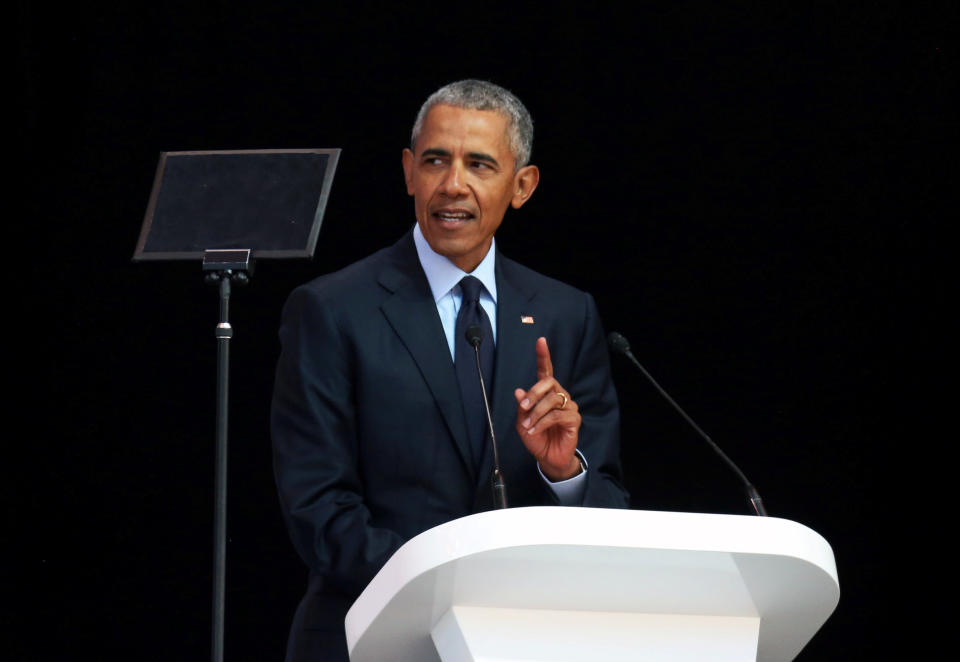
x=222, y=268
x=228, y=208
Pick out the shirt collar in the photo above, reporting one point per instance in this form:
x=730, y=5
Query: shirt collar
x=443, y=275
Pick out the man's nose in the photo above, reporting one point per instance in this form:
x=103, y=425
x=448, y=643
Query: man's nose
x=454, y=184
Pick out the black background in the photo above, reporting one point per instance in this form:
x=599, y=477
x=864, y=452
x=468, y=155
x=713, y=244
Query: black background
x=755, y=194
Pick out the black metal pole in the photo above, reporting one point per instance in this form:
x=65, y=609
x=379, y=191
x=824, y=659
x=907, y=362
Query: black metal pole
x=223, y=334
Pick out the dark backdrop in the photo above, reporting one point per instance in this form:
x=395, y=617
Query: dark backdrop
x=754, y=194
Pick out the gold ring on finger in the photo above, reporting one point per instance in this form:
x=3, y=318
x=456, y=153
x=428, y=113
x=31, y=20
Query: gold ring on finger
x=565, y=399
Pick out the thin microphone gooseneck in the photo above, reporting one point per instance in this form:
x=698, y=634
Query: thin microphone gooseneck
x=620, y=344
x=474, y=336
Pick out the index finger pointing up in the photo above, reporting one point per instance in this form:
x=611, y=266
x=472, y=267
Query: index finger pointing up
x=544, y=365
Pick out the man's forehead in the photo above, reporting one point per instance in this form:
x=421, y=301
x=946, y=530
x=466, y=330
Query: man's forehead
x=469, y=126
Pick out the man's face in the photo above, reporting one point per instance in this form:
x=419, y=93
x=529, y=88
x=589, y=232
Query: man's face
x=462, y=180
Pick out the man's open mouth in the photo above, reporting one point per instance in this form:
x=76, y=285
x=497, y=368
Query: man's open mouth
x=453, y=215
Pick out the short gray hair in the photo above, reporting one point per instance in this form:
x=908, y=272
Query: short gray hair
x=481, y=95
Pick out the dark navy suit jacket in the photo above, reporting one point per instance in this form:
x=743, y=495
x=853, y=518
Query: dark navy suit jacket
x=370, y=443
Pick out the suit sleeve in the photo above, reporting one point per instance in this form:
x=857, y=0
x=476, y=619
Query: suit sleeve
x=315, y=448
x=599, y=441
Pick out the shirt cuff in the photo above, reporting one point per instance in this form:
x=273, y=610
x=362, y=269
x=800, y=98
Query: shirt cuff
x=569, y=491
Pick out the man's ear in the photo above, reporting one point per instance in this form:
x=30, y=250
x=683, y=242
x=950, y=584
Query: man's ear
x=524, y=184
x=408, y=169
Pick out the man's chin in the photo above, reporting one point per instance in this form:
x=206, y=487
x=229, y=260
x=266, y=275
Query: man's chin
x=449, y=248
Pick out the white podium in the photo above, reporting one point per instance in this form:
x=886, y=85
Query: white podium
x=563, y=584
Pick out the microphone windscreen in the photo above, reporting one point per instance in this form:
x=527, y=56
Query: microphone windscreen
x=474, y=335
x=618, y=343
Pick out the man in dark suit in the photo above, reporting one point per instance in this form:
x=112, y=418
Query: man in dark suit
x=373, y=441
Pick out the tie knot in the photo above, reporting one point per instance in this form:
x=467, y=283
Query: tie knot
x=470, y=288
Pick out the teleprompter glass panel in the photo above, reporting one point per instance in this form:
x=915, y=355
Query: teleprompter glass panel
x=270, y=201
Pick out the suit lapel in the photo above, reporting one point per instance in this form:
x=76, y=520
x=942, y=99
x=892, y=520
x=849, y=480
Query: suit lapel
x=412, y=313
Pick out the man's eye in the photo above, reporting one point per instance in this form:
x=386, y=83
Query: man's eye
x=481, y=165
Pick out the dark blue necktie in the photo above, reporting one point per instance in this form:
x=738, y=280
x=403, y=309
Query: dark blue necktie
x=472, y=314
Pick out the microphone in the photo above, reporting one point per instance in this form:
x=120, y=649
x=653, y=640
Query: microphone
x=474, y=336
x=620, y=345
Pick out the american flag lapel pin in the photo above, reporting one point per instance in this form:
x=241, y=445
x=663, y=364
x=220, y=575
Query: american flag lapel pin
x=526, y=319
